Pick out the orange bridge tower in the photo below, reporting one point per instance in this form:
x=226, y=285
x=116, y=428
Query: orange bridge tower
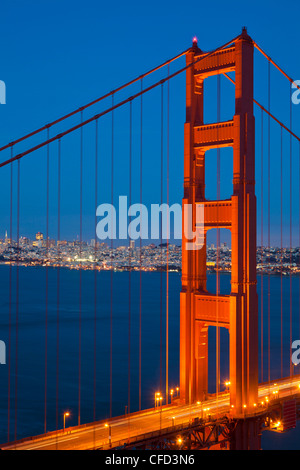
x=238, y=312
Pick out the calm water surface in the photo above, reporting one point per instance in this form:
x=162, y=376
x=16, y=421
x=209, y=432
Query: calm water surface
x=63, y=323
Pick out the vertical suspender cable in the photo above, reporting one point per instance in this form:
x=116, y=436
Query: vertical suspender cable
x=161, y=248
x=95, y=280
x=168, y=235
x=111, y=258
x=269, y=222
x=17, y=300
x=95, y=266
x=80, y=272
x=129, y=253
x=245, y=357
x=281, y=254
x=218, y=246
x=140, y=306
x=299, y=237
x=47, y=283
x=291, y=241
x=10, y=301
x=58, y=280
x=262, y=251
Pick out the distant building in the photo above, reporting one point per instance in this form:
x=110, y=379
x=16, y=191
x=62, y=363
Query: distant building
x=7, y=240
x=39, y=236
x=51, y=243
x=210, y=264
x=24, y=241
x=132, y=244
x=62, y=242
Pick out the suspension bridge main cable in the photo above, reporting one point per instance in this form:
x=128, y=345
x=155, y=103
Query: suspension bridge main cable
x=101, y=98
x=114, y=106
x=268, y=113
x=275, y=65
x=111, y=93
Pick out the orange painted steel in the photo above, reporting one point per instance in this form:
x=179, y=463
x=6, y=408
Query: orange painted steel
x=199, y=309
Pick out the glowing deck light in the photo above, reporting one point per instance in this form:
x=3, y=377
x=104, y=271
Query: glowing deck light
x=66, y=415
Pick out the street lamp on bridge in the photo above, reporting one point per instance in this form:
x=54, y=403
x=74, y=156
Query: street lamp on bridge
x=156, y=399
x=227, y=385
x=66, y=415
x=109, y=433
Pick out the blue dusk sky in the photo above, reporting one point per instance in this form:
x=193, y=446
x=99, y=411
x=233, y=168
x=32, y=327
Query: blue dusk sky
x=58, y=55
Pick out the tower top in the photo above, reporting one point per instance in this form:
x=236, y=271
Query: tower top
x=245, y=34
x=195, y=47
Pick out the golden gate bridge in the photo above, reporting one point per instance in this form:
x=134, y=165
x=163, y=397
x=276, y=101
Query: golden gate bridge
x=195, y=419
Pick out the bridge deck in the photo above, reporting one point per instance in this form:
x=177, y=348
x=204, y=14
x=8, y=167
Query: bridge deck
x=142, y=425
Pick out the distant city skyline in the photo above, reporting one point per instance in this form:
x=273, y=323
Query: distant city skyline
x=48, y=90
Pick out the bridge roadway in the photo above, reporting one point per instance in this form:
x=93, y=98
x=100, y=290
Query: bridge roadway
x=123, y=429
